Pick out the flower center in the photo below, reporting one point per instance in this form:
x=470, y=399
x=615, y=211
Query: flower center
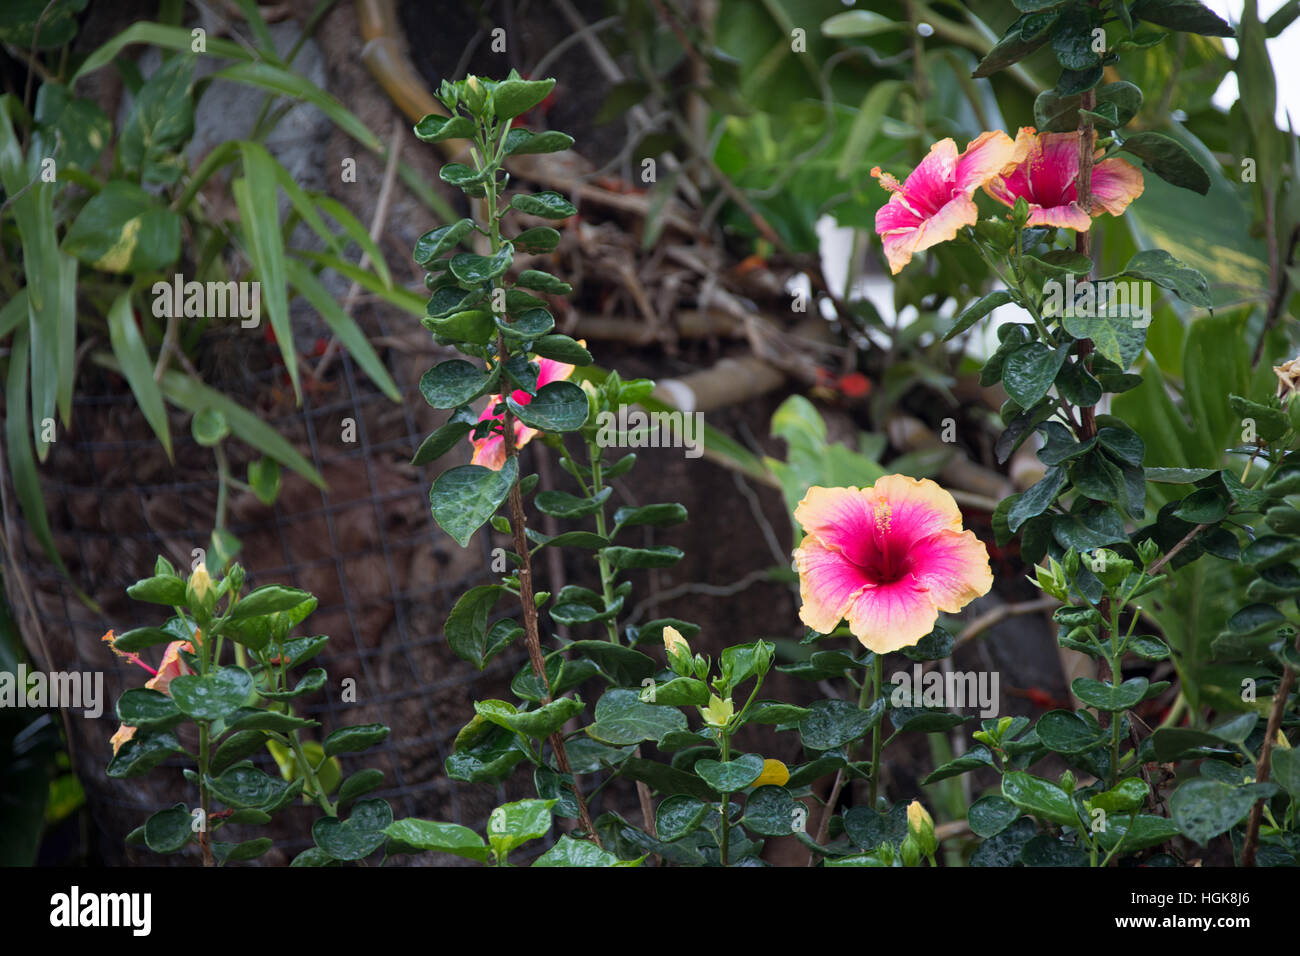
x=886, y=560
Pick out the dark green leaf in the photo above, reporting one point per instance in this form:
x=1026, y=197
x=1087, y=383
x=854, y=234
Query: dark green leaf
x=548, y=205
x=217, y=694
x=1202, y=808
x=359, y=835
x=1190, y=16
x=732, y=775
x=354, y=739
x=168, y=831
x=1158, y=266
x=465, y=497
x=834, y=723
x=511, y=98
x=991, y=815
x=434, y=129
x=1168, y=159
x=1040, y=798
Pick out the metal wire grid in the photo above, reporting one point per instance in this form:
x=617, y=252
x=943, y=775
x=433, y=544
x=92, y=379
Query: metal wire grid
x=419, y=793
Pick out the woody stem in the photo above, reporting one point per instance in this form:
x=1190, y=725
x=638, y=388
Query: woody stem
x=1083, y=238
x=527, y=602
x=205, y=743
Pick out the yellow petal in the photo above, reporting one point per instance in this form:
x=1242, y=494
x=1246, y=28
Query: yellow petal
x=718, y=712
x=774, y=774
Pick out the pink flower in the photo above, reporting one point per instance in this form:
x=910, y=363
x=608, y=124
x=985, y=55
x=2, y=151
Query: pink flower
x=172, y=666
x=491, y=451
x=888, y=558
x=935, y=200
x=1044, y=173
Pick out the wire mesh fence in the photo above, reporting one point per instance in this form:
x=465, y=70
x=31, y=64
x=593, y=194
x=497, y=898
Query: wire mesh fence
x=385, y=575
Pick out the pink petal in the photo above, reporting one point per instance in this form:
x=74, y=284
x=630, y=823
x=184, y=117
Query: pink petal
x=892, y=616
x=902, y=242
x=1053, y=169
x=172, y=666
x=1069, y=216
x=828, y=583
x=549, y=370
x=931, y=184
x=947, y=222
x=1115, y=184
x=953, y=567
x=983, y=159
x=842, y=519
x=489, y=452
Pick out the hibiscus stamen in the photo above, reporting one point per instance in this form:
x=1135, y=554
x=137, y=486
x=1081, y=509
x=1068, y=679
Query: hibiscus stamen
x=886, y=180
x=108, y=639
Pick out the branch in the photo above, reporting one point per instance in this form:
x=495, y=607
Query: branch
x=1262, y=768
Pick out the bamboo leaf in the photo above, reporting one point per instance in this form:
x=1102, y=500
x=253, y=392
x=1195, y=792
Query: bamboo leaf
x=137, y=367
x=343, y=326
x=404, y=299
x=355, y=231
x=22, y=464
x=268, y=77
x=156, y=34
x=258, y=209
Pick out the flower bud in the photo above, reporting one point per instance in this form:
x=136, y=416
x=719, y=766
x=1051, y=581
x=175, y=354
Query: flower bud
x=910, y=850
x=1020, y=212
x=1070, y=563
x=594, y=404
x=920, y=826
x=475, y=95
x=200, y=592
x=678, y=651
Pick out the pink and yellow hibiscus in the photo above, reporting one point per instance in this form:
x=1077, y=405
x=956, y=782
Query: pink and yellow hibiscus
x=888, y=558
x=1044, y=173
x=172, y=666
x=934, y=202
x=491, y=451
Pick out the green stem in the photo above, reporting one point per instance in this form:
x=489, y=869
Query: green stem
x=877, y=675
x=606, y=574
x=1116, y=678
x=726, y=801
x=313, y=781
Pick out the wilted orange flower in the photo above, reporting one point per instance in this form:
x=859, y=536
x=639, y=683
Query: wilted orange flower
x=172, y=666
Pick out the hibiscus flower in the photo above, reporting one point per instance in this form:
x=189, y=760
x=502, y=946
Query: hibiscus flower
x=172, y=666
x=1044, y=174
x=491, y=451
x=934, y=202
x=888, y=558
